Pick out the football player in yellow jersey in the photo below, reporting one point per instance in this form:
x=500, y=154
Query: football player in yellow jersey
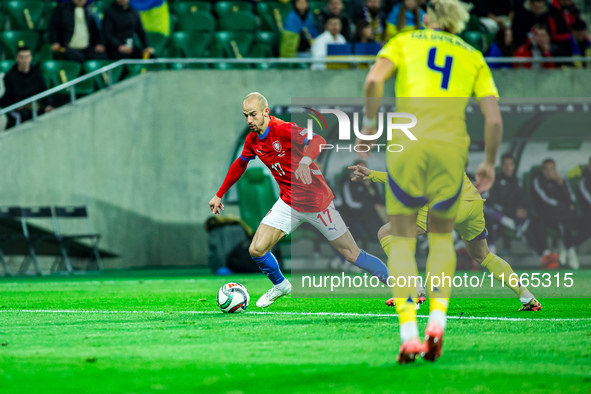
x=436, y=74
x=471, y=227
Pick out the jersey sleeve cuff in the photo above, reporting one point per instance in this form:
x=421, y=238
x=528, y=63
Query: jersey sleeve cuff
x=489, y=94
x=378, y=176
x=247, y=158
x=306, y=160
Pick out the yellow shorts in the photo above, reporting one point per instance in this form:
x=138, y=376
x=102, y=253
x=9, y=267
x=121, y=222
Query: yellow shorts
x=425, y=173
x=469, y=220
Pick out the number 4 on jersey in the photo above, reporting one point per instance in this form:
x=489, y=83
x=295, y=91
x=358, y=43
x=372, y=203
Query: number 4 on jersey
x=445, y=70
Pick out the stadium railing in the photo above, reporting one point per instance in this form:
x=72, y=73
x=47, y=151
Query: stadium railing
x=284, y=61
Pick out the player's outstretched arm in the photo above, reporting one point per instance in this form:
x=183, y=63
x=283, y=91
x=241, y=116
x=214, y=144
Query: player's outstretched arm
x=363, y=173
x=493, y=133
x=234, y=173
x=360, y=173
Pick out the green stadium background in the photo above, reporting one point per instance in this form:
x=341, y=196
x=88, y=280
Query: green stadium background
x=147, y=155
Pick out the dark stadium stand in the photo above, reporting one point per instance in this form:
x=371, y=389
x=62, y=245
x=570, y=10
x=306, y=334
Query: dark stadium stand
x=19, y=236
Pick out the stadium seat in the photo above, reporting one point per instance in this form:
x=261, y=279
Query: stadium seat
x=57, y=72
x=197, y=21
x=44, y=53
x=273, y=14
x=6, y=65
x=235, y=44
x=317, y=6
x=266, y=46
x=100, y=81
x=474, y=38
x=225, y=7
x=13, y=40
x=239, y=21
x=190, y=7
x=261, y=51
x=474, y=23
x=265, y=15
x=25, y=14
x=158, y=42
x=191, y=44
x=268, y=38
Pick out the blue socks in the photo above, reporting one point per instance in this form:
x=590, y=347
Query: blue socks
x=373, y=265
x=268, y=264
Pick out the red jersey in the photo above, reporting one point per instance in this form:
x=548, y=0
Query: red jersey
x=281, y=148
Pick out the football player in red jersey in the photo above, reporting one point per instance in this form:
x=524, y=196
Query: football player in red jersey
x=305, y=196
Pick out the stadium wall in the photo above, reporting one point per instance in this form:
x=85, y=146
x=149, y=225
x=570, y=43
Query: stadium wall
x=147, y=155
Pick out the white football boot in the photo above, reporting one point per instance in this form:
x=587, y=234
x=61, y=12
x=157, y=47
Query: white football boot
x=274, y=293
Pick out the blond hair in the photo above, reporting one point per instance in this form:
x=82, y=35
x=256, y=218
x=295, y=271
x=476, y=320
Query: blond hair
x=450, y=15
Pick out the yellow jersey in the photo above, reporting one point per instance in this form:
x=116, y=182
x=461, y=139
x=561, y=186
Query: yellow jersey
x=469, y=191
x=436, y=74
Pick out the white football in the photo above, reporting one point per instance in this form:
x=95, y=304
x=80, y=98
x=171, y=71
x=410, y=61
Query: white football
x=233, y=298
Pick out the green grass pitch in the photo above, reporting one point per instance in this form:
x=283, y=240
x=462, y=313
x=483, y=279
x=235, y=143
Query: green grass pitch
x=152, y=334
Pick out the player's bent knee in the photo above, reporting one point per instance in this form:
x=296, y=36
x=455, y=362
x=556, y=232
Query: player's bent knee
x=256, y=250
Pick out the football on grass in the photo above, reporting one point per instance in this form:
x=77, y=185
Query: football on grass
x=233, y=298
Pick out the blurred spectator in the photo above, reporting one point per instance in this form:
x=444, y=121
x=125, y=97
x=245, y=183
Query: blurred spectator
x=563, y=14
x=362, y=204
x=581, y=175
x=537, y=46
x=499, y=13
x=335, y=8
x=506, y=196
x=503, y=46
x=506, y=208
x=300, y=21
x=332, y=35
x=406, y=15
x=374, y=16
x=120, y=24
x=584, y=192
x=74, y=33
x=533, y=12
x=554, y=201
x=364, y=32
x=581, y=38
x=22, y=81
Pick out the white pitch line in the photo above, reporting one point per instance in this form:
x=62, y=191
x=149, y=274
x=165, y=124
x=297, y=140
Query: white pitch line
x=333, y=314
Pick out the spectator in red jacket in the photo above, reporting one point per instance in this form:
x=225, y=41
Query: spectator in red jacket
x=563, y=14
x=537, y=46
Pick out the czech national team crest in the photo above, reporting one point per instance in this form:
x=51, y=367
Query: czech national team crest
x=277, y=146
